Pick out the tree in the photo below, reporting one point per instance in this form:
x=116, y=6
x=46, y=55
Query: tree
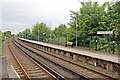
x=7, y=34
x=42, y=30
x=61, y=30
x=1, y=36
x=114, y=16
x=90, y=18
x=20, y=34
x=26, y=33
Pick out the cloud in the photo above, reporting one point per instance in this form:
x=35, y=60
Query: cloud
x=15, y=27
x=16, y=15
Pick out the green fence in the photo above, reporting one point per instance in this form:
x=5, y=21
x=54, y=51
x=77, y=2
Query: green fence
x=104, y=43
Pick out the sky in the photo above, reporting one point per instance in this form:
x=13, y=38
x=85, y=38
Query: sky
x=16, y=15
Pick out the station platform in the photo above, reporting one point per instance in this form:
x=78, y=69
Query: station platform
x=6, y=70
x=95, y=54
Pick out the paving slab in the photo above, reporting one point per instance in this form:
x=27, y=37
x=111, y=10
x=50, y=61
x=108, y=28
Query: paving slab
x=0, y=68
x=95, y=54
x=6, y=70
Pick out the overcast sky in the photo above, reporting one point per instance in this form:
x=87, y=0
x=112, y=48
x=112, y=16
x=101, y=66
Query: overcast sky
x=16, y=15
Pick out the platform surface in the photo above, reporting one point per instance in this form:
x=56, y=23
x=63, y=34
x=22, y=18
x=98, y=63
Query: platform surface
x=0, y=68
x=6, y=70
x=95, y=54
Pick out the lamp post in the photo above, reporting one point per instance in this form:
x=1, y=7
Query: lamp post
x=43, y=36
x=76, y=22
x=76, y=31
x=66, y=35
x=38, y=34
x=50, y=39
x=25, y=36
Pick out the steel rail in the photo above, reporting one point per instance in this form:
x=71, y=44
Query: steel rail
x=48, y=69
x=20, y=65
x=71, y=62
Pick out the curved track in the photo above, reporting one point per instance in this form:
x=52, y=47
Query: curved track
x=76, y=68
x=26, y=67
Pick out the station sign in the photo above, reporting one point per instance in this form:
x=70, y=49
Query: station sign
x=104, y=32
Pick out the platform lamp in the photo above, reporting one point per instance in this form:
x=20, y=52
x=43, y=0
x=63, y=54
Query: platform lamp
x=76, y=31
x=50, y=30
x=76, y=22
x=43, y=35
x=38, y=34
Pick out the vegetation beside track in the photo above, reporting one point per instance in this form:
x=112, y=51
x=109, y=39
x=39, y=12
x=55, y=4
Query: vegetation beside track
x=1, y=48
x=84, y=23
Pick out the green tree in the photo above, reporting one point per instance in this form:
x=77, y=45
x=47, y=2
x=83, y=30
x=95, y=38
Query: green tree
x=60, y=34
x=7, y=34
x=42, y=30
x=114, y=16
x=1, y=36
x=26, y=33
x=89, y=19
x=61, y=30
x=20, y=34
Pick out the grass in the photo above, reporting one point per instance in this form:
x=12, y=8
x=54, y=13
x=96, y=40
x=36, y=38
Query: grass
x=1, y=49
x=1, y=52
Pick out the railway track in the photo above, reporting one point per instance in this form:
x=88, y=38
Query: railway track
x=67, y=64
x=27, y=68
x=67, y=73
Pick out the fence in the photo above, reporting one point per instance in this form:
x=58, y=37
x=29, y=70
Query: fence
x=104, y=43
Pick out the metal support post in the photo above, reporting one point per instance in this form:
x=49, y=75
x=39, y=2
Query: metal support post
x=113, y=42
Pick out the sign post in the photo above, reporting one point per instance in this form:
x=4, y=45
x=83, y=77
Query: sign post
x=113, y=41
x=106, y=32
x=96, y=42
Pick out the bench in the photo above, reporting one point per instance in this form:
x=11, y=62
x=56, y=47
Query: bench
x=69, y=44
